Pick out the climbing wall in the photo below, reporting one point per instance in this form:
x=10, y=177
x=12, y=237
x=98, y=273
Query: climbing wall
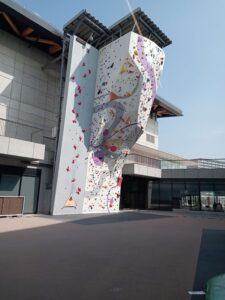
x=127, y=78
x=72, y=156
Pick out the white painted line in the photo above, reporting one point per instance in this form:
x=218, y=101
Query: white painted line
x=196, y=293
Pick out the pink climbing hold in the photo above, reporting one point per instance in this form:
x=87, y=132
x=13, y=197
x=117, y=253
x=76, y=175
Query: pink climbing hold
x=119, y=181
x=126, y=153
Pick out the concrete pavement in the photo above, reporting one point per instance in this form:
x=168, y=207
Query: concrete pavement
x=131, y=255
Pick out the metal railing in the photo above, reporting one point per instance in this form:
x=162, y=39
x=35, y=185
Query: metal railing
x=18, y=123
x=25, y=132
x=201, y=163
x=176, y=164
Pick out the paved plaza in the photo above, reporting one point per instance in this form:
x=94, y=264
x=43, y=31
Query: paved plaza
x=130, y=255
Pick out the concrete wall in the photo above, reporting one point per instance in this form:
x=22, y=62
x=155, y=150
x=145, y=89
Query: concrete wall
x=20, y=148
x=28, y=95
x=151, y=129
x=29, y=105
x=71, y=165
x=194, y=173
x=141, y=170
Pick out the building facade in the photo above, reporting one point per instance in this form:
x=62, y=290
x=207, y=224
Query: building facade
x=29, y=108
x=79, y=112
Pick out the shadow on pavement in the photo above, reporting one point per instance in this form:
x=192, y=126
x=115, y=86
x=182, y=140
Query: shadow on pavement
x=211, y=259
x=117, y=218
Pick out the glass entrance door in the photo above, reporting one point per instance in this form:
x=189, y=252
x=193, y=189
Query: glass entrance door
x=29, y=189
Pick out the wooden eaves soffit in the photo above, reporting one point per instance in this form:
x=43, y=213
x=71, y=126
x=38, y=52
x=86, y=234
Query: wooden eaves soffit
x=29, y=35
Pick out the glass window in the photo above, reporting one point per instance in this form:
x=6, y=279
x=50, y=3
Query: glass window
x=166, y=196
x=155, y=195
x=220, y=194
x=207, y=195
x=178, y=190
x=192, y=188
x=9, y=185
x=150, y=138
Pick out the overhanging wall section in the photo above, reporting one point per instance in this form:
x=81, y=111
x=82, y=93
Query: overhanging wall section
x=128, y=73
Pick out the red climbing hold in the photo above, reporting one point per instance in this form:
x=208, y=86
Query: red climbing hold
x=78, y=190
x=68, y=169
x=113, y=96
x=113, y=148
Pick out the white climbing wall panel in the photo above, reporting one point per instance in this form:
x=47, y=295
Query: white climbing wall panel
x=71, y=164
x=127, y=78
x=108, y=98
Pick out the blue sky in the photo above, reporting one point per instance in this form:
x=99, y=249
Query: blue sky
x=194, y=71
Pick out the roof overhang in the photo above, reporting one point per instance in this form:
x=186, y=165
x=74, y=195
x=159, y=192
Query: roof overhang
x=92, y=31
x=87, y=28
x=30, y=27
x=144, y=26
x=162, y=108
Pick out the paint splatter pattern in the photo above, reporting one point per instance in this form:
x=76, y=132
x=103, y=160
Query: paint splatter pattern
x=128, y=74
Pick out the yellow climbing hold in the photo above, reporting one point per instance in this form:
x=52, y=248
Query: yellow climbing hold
x=129, y=94
x=123, y=69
